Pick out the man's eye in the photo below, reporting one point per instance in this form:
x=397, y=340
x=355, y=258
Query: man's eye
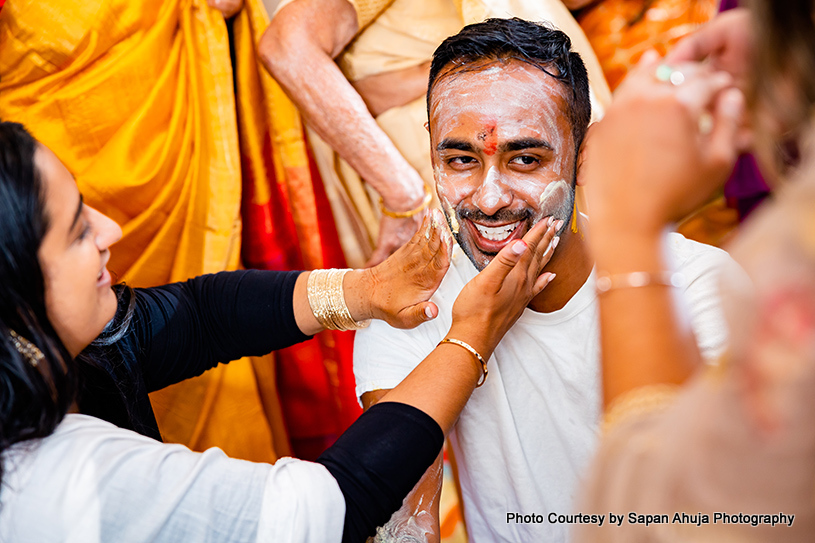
x=524, y=160
x=461, y=160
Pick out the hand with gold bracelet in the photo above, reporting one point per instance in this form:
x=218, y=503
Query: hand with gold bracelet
x=680, y=125
x=398, y=291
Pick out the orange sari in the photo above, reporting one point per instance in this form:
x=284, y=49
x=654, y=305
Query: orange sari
x=138, y=99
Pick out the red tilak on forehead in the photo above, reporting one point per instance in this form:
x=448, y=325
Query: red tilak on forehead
x=489, y=138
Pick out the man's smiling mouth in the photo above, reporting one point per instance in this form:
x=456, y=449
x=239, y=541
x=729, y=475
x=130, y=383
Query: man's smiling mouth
x=496, y=233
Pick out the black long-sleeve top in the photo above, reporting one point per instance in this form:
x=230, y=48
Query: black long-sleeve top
x=179, y=331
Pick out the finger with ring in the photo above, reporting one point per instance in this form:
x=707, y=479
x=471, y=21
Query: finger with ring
x=666, y=74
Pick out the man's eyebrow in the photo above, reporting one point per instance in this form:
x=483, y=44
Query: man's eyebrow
x=78, y=213
x=458, y=145
x=525, y=143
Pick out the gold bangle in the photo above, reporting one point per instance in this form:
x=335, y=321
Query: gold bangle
x=428, y=196
x=326, y=299
x=606, y=282
x=473, y=352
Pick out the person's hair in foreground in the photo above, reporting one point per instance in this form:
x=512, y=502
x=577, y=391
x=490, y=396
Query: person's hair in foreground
x=515, y=39
x=785, y=48
x=33, y=398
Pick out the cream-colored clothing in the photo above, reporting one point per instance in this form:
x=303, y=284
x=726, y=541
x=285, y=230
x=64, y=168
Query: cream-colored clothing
x=403, y=34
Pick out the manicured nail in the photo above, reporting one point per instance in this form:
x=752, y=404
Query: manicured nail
x=550, y=221
x=733, y=103
x=555, y=242
x=519, y=247
x=559, y=224
x=428, y=312
x=551, y=276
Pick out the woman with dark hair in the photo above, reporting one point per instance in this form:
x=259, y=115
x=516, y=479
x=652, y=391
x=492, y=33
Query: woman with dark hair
x=729, y=456
x=71, y=346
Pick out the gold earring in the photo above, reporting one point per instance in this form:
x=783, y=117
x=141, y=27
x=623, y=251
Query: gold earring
x=574, y=217
x=31, y=352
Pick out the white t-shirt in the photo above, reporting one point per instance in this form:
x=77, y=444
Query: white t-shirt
x=526, y=435
x=91, y=481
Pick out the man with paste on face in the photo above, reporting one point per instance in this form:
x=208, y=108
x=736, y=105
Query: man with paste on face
x=509, y=107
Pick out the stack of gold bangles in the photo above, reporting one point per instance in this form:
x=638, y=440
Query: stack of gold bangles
x=327, y=300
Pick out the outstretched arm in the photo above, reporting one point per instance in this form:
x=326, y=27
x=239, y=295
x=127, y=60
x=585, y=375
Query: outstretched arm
x=418, y=518
x=298, y=49
x=679, y=146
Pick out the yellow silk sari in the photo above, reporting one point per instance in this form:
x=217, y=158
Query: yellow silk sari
x=137, y=99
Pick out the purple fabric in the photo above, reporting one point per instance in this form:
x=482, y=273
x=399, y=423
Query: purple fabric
x=728, y=4
x=746, y=188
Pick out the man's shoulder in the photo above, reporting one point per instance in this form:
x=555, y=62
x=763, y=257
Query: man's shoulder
x=687, y=252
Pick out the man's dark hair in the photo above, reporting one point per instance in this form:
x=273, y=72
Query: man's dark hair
x=515, y=39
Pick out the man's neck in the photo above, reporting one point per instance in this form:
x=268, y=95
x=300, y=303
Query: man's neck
x=572, y=264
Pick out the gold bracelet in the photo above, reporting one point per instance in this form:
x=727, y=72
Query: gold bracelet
x=428, y=196
x=473, y=352
x=326, y=299
x=606, y=282
x=642, y=400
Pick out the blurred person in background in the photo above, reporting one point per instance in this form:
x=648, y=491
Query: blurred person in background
x=737, y=437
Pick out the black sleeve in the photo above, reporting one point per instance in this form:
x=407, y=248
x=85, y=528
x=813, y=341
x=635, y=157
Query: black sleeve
x=378, y=460
x=184, y=329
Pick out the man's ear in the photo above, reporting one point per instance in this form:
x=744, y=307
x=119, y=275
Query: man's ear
x=581, y=156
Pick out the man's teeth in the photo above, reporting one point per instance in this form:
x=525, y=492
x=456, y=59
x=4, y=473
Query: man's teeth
x=497, y=233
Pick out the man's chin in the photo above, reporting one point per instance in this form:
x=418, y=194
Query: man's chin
x=479, y=258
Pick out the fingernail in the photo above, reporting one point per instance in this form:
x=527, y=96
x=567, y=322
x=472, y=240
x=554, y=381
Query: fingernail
x=555, y=242
x=559, y=225
x=733, y=103
x=519, y=247
x=428, y=312
x=550, y=221
x=552, y=276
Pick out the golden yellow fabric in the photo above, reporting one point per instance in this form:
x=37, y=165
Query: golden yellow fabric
x=136, y=98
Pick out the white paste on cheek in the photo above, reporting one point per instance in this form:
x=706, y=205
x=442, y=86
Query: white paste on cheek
x=451, y=214
x=554, y=192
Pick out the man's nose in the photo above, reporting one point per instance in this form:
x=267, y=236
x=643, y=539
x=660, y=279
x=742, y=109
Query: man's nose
x=492, y=195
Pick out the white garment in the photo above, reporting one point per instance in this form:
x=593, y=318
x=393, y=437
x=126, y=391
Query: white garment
x=526, y=435
x=91, y=481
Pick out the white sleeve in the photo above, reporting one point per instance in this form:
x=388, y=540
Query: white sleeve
x=301, y=502
x=92, y=482
x=384, y=356
x=702, y=266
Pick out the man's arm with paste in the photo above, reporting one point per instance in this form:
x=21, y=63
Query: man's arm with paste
x=298, y=49
x=418, y=518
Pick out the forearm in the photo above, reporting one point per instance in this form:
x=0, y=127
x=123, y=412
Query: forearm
x=305, y=69
x=643, y=339
x=418, y=518
x=378, y=460
x=186, y=328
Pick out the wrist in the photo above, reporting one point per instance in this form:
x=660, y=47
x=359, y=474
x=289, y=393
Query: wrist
x=473, y=336
x=405, y=195
x=358, y=291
